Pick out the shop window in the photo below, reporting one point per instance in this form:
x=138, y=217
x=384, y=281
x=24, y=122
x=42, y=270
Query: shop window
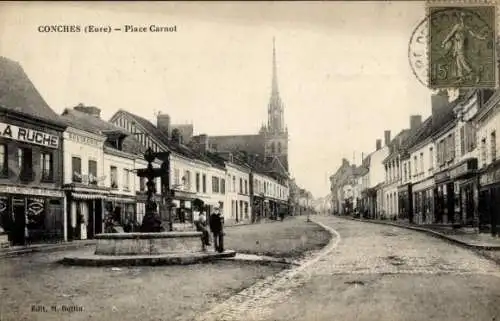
x=493, y=146
x=76, y=165
x=113, y=174
x=46, y=164
x=4, y=166
x=92, y=172
x=204, y=183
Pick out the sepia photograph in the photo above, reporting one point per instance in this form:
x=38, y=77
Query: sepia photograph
x=241, y=160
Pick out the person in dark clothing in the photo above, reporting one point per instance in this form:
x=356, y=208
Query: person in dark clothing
x=216, y=227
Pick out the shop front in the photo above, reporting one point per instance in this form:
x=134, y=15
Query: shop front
x=122, y=208
x=405, y=202
x=466, y=190
x=423, y=202
x=182, y=206
x=445, y=200
x=85, y=211
x=258, y=207
x=31, y=214
x=489, y=198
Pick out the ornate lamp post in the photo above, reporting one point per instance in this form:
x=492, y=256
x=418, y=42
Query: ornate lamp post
x=151, y=221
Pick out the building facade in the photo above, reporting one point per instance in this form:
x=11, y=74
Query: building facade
x=487, y=122
x=31, y=160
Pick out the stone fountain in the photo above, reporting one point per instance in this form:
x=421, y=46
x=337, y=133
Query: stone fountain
x=152, y=246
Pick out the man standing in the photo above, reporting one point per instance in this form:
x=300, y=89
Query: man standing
x=216, y=228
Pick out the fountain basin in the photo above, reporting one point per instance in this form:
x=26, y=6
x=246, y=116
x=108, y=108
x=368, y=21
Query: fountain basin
x=148, y=243
x=163, y=248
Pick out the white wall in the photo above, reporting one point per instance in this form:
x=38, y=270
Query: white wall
x=233, y=197
x=429, y=165
x=121, y=163
x=485, y=128
x=91, y=148
x=377, y=168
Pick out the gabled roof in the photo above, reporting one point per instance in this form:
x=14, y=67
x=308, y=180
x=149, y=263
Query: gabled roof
x=159, y=135
x=420, y=134
x=17, y=93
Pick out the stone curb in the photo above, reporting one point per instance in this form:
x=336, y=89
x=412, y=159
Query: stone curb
x=144, y=260
x=44, y=248
x=432, y=233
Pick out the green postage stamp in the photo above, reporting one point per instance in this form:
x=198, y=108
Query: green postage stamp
x=462, y=47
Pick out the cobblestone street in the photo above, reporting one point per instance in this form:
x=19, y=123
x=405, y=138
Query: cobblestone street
x=374, y=272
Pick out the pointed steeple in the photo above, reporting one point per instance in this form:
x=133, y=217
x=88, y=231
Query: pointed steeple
x=275, y=90
x=275, y=108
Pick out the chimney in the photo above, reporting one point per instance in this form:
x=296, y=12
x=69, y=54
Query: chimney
x=345, y=162
x=439, y=102
x=415, y=121
x=387, y=137
x=163, y=124
x=378, y=144
x=89, y=110
x=201, y=143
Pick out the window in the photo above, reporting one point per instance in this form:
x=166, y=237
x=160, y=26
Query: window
x=76, y=164
x=197, y=182
x=215, y=184
x=204, y=181
x=451, y=146
x=223, y=186
x=415, y=165
x=187, y=180
x=142, y=184
x=421, y=163
x=234, y=183
x=431, y=158
x=462, y=140
x=279, y=147
x=471, y=138
x=272, y=148
x=176, y=176
x=25, y=162
x=4, y=166
x=46, y=166
x=246, y=187
x=113, y=176
x=126, y=181
x=92, y=172
x=241, y=185
x=493, y=146
x=405, y=173
x=483, y=151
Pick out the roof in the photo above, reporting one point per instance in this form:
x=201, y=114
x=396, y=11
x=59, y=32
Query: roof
x=420, y=134
x=396, y=144
x=172, y=146
x=17, y=93
x=89, y=123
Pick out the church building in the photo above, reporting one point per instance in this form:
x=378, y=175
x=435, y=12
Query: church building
x=270, y=145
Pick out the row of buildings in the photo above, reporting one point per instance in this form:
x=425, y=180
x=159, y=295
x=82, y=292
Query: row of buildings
x=441, y=170
x=61, y=176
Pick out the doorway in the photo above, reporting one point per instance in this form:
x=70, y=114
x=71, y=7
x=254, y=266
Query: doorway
x=19, y=226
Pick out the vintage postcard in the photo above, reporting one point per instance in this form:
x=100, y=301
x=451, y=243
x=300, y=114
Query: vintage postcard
x=239, y=160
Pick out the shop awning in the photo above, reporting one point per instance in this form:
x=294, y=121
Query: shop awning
x=87, y=196
x=116, y=198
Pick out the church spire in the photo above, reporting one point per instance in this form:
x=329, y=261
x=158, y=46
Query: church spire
x=275, y=110
x=275, y=72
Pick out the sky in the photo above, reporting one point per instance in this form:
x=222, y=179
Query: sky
x=343, y=68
